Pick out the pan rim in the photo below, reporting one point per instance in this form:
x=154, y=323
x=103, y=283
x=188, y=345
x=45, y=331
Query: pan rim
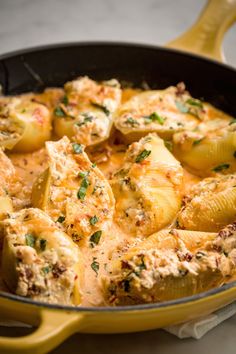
x=128, y=308
x=138, y=45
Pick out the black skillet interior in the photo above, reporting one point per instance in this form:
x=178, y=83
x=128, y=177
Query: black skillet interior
x=35, y=69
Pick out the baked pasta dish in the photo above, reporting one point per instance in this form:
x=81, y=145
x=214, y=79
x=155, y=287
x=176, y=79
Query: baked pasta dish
x=115, y=196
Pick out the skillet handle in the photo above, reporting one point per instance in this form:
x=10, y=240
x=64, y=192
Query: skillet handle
x=53, y=329
x=205, y=37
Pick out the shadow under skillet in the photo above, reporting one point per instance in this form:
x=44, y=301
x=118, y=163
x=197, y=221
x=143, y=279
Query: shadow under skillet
x=220, y=340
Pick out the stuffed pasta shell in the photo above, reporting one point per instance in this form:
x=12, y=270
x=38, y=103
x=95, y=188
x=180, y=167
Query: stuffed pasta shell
x=172, y=264
x=85, y=113
x=210, y=205
x=164, y=112
x=24, y=125
x=7, y=175
x=74, y=192
x=147, y=188
x=207, y=153
x=39, y=260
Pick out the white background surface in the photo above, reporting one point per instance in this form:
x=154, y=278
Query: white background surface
x=26, y=23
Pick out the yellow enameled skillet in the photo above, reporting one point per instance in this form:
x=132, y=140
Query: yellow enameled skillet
x=160, y=67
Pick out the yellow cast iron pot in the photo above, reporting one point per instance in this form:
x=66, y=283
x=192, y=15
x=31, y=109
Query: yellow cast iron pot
x=55, y=323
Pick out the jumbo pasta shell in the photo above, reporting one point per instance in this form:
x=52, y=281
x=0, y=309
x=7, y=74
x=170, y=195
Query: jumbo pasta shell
x=147, y=190
x=39, y=260
x=25, y=125
x=72, y=191
x=172, y=264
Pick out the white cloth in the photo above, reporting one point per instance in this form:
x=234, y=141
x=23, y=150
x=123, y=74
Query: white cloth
x=197, y=328
x=192, y=329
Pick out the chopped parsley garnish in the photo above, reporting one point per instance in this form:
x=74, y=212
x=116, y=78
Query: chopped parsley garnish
x=148, y=139
x=200, y=254
x=58, y=111
x=95, y=189
x=43, y=244
x=131, y=121
x=196, y=142
x=195, y=102
x=30, y=240
x=142, y=265
x=102, y=107
x=87, y=118
x=93, y=220
x=142, y=156
x=181, y=107
x=168, y=145
x=83, y=188
x=65, y=100
x=222, y=167
x=95, y=238
x=77, y=148
x=46, y=270
x=155, y=117
x=233, y=121
x=95, y=266
x=84, y=174
x=94, y=165
x=193, y=109
x=61, y=219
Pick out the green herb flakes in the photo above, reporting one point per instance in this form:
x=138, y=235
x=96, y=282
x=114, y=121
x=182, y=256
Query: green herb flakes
x=168, y=145
x=30, y=240
x=101, y=107
x=222, y=167
x=77, y=148
x=196, y=142
x=95, y=266
x=181, y=107
x=61, y=219
x=142, y=265
x=142, y=156
x=65, y=100
x=200, y=254
x=190, y=106
x=131, y=121
x=194, y=102
x=58, y=111
x=42, y=244
x=83, y=188
x=84, y=174
x=46, y=270
x=93, y=220
x=155, y=117
x=95, y=238
x=87, y=118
